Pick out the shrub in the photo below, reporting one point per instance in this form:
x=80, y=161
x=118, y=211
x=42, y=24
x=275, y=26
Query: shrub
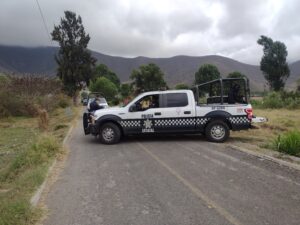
x=273, y=101
x=63, y=101
x=23, y=95
x=181, y=86
x=276, y=100
x=288, y=143
x=256, y=103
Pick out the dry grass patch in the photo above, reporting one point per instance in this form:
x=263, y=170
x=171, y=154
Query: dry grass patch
x=280, y=122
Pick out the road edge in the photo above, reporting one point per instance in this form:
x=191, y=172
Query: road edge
x=266, y=157
x=34, y=200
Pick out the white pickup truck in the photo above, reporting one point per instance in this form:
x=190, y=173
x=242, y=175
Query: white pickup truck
x=176, y=111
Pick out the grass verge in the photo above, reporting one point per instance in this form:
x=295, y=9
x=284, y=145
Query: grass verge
x=281, y=122
x=25, y=156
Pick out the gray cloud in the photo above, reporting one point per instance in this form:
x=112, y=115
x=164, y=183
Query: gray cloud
x=161, y=28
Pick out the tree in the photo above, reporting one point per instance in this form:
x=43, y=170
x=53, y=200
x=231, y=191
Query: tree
x=273, y=63
x=103, y=71
x=74, y=60
x=206, y=72
x=125, y=90
x=148, y=78
x=181, y=86
x=104, y=86
x=236, y=74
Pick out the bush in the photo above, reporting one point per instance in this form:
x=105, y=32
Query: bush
x=273, y=101
x=23, y=95
x=181, y=86
x=277, y=100
x=288, y=143
x=63, y=101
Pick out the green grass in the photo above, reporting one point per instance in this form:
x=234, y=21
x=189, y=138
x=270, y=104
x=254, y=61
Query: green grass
x=26, y=154
x=288, y=142
x=280, y=122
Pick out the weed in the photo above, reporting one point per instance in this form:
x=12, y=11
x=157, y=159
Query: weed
x=60, y=126
x=38, y=154
x=288, y=143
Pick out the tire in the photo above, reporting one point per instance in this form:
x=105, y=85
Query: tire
x=109, y=134
x=217, y=131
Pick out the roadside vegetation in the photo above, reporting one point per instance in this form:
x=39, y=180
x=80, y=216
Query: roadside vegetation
x=34, y=118
x=278, y=134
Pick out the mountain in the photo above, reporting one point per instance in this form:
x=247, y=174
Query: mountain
x=40, y=60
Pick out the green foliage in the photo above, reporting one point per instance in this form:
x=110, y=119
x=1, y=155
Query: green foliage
x=103, y=71
x=104, y=86
x=288, y=143
x=181, y=86
x=206, y=72
x=148, y=78
x=126, y=90
x=236, y=74
x=74, y=60
x=273, y=63
x=276, y=100
x=84, y=95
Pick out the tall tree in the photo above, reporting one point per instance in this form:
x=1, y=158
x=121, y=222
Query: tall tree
x=148, y=78
x=236, y=74
x=273, y=63
x=102, y=70
x=74, y=60
x=206, y=72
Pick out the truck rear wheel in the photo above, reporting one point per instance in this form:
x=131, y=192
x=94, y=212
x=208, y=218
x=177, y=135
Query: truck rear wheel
x=217, y=131
x=109, y=133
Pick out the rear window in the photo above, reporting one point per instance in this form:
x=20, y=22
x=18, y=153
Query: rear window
x=176, y=100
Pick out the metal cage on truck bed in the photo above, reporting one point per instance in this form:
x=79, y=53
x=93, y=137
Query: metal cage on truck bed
x=223, y=91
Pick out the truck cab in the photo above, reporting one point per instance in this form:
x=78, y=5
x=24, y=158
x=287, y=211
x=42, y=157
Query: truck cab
x=212, y=109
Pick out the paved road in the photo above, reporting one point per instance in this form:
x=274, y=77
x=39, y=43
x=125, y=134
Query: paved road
x=168, y=181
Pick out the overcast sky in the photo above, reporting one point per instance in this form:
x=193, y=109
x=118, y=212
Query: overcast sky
x=161, y=28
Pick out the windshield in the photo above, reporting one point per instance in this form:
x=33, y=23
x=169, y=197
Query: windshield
x=101, y=100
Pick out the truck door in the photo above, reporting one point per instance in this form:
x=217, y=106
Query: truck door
x=177, y=113
x=141, y=118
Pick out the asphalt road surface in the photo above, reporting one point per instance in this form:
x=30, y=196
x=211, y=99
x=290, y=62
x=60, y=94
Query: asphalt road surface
x=168, y=181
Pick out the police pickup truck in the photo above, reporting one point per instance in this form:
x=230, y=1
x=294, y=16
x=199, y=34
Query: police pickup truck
x=213, y=109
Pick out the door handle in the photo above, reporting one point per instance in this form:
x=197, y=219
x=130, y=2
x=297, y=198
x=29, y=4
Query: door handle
x=157, y=114
x=187, y=112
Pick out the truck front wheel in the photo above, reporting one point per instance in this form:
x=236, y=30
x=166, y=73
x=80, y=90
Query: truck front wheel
x=217, y=131
x=109, y=133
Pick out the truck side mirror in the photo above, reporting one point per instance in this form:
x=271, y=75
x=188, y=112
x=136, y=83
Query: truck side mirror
x=132, y=108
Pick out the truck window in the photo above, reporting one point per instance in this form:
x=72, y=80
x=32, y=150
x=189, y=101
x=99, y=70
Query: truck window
x=175, y=100
x=148, y=102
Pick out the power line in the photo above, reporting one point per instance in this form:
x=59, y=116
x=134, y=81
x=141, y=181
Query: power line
x=44, y=21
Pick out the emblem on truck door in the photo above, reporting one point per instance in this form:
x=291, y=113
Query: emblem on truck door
x=147, y=126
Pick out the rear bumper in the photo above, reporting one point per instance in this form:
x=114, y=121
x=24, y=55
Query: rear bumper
x=257, y=119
